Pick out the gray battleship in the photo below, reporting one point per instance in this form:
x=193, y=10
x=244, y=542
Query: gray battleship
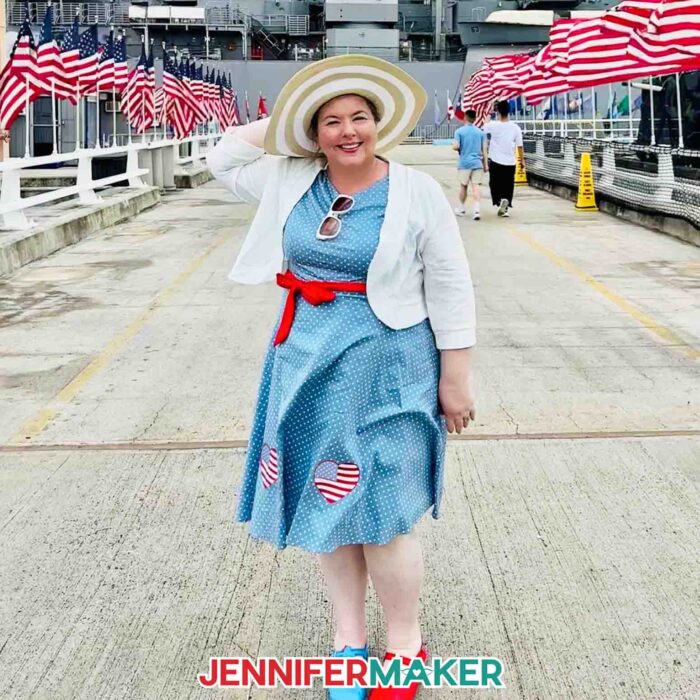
x=407, y=30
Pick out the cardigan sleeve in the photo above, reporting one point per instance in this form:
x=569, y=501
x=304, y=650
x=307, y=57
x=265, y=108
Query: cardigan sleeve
x=241, y=167
x=447, y=284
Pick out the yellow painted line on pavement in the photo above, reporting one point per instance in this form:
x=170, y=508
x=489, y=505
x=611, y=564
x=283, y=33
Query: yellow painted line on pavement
x=37, y=424
x=623, y=304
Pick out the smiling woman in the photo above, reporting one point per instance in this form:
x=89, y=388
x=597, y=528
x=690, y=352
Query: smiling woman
x=366, y=372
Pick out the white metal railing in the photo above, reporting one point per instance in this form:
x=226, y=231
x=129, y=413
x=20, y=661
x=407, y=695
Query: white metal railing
x=101, y=12
x=273, y=22
x=298, y=25
x=617, y=173
x=148, y=162
x=623, y=129
x=425, y=133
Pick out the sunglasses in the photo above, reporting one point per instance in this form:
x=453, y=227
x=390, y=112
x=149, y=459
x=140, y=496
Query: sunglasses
x=331, y=225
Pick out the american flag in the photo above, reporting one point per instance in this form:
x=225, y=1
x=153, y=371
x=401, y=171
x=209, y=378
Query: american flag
x=247, y=108
x=197, y=83
x=182, y=108
x=135, y=93
x=262, y=107
x=334, y=480
x=479, y=94
x=105, y=68
x=671, y=35
x=121, y=68
x=149, y=102
x=80, y=58
x=226, y=112
x=506, y=81
x=159, y=105
x=236, y=111
x=269, y=471
x=15, y=75
x=542, y=82
x=49, y=76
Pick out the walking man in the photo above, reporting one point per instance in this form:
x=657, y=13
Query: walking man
x=504, y=138
x=470, y=142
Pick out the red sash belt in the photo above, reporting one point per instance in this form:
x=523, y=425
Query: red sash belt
x=314, y=292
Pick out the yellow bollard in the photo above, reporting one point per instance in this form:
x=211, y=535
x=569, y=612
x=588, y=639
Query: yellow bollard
x=520, y=173
x=585, y=201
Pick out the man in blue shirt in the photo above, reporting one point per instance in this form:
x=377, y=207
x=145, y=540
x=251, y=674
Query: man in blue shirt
x=471, y=143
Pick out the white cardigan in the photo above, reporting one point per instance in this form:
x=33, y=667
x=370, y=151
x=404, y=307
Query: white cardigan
x=419, y=269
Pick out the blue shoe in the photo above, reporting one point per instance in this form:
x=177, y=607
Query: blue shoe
x=356, y=692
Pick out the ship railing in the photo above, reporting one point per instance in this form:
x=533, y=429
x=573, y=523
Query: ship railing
x=273, y=23
x=651, y=179
x=427, y=133
x=622, y=129
x=88, y=12
x=151, y=161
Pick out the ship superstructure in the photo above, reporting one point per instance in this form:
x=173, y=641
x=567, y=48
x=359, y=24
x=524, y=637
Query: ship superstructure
x=400, y=30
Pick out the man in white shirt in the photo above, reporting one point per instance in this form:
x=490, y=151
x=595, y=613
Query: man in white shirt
x=504, y=138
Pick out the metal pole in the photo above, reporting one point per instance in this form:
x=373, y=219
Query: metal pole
x=610, y=108
x=566, y=112
x=98, y=140
x=629, y=109
x=593, y=111
x=27, y=154
x=651, y=104
x=678, y=103
x=53, y=114
x=580, y=113
x=77, y=116
x=114, y=115
x=3, y=28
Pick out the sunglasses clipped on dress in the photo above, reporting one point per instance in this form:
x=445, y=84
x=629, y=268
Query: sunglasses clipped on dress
x=332, y=223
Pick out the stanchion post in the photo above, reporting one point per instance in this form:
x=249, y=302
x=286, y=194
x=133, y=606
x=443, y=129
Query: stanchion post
x=678, y=106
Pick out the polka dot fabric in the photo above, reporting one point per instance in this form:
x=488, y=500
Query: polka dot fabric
x=347, y=444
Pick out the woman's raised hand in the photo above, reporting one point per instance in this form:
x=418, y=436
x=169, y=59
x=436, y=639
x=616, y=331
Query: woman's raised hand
x=253, y=133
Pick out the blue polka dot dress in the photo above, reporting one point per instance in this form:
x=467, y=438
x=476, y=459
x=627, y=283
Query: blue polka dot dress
x=347, y=444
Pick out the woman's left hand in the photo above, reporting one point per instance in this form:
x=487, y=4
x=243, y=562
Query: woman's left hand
x=456, y=389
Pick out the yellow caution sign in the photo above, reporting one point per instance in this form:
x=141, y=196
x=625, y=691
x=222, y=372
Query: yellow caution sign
x=520, y=173
x=585, y=200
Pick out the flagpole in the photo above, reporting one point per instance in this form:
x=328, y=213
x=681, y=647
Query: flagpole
x=114, y=114
x=629, y=109
x=610, y=109
x=98, y=140
x=651, y=104
x=53, y=114
x=580, y=113
x=27, y=154
x=566, y=113
x=593, y=111
x=77, y=115
x=678, y=103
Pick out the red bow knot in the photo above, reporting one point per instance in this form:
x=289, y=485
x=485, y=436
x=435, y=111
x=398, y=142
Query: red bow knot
x=314, y=292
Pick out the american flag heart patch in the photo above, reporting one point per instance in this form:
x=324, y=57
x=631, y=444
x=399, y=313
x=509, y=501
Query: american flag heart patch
x=268, y=465
x=335, y=480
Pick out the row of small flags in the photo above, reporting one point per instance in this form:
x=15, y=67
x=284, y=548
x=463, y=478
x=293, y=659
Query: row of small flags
x=635, y=39
x=188, y=96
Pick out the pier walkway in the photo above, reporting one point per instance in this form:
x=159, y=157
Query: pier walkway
x=568, y=543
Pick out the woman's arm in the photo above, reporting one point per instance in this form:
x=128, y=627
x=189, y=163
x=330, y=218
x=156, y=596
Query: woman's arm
x=449, y=297
x=456, y=389
x=240, y=163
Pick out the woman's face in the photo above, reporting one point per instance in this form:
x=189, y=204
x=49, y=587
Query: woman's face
x=347, y=132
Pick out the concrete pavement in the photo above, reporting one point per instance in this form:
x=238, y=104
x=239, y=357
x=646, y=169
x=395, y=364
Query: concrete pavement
x=568, y=543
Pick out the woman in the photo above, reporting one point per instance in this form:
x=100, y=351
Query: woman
x=347, y=445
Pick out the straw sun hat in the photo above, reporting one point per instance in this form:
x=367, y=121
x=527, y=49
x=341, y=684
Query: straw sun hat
x=399, y=99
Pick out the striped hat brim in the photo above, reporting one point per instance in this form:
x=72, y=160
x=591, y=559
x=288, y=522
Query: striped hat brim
x=399, y=98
